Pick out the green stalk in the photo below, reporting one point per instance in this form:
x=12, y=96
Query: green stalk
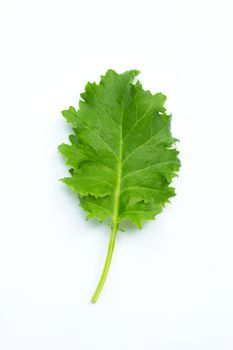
x=106, y=264
x=115, y=219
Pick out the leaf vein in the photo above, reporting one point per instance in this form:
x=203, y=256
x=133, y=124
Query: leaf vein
x=139, y=146
x=93, y=132
x=101, y=107
x=142, y=187
x=138, y=121
x=148, y=167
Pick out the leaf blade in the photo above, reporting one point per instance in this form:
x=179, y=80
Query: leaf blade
x=122, y=128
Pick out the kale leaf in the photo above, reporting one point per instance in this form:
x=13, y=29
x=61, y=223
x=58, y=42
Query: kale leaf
x=122, y=154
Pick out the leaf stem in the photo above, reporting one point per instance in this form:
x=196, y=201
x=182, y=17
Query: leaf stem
x=115, y=218
x=106, y=264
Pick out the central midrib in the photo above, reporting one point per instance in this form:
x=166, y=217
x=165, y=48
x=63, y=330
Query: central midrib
x=115, y=217
x=119, y=176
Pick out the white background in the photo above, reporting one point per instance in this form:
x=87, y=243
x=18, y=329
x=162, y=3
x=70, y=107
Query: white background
x=170, y=285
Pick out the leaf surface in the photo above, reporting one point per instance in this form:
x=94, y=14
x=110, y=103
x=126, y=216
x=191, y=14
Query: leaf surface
x=122, y=143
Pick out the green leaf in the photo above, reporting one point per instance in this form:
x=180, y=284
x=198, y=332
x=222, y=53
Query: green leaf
x=122, y=153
